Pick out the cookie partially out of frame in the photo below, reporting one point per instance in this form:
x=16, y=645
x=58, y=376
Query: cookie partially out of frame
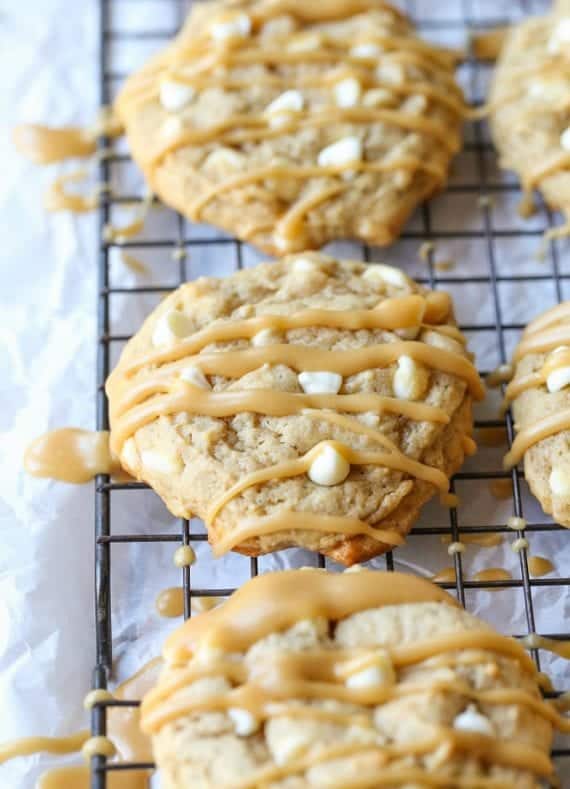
x=309, y=402
x=530, y=106
x=306, y=679
x=291, y=123
x=540, y=396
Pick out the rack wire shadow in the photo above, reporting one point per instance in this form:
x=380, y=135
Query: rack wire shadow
x=481, y=184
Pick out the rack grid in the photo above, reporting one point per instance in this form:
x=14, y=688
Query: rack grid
x=427, y=19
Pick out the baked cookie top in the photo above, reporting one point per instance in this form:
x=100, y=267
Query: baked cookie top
x=310, y=679
x=540, y=396
x=291, y=123
x=308, y=401
x=530, y=107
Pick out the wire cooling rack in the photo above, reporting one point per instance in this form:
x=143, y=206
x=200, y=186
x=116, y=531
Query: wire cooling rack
x=495, y=236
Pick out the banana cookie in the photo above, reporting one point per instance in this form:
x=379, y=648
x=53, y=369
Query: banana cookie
x=309, y=402
x=540, y=397
x=290, y=123
x=530, y=108
x=364, y=679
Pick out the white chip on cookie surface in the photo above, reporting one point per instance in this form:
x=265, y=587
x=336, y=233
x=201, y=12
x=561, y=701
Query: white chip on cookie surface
x=347, y=150
x=472, y=720
x=226, y=158
x=304, y=265
x=161, y=462
x=238, y=26
x=347, y=92
x=558, y=379
x=377, y=673
x=387, y=274
x=365, y=50
x=376, y=97
x=560, y=36
x=321, y=382
x=170, y=327
x=329, y=467
x=171, y=128
x=410, y=379
x=266, y=337
x=174, y=95
x=244, y=722
x=559, y=481
x=194, y=375
x=289, y=101
x=565, y=139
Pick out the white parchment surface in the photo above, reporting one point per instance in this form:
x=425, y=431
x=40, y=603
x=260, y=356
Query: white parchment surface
x=47, y=341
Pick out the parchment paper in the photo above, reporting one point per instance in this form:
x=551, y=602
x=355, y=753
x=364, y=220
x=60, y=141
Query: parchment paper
x=47, y=334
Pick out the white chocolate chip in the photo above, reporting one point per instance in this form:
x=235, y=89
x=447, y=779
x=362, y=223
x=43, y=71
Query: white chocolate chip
x=289, y=101
x=410, y=379
x=129, y=453
x=226, y=158
x=329, y=467
x=238, y=26
x=265, y=337
x=342, y=152
x=559, y=481
x=194, y=375
x=370, y=419
x=415, y=104
x=560, y=36
x=472, y=720
x=558, y=379
x=515, y=523
x=304, y=266
x=391, y=73
x=171, y=128
x=347, y=92
x=365, y=50
x=408, y=334
x=244, y=722
x=320, y=382
x=170, y=327
x=455, y=547
x=381, y=672
x=388, y=274
x=174, y=95
x=354, y=568
x=161, y=462
x=377, y=97
x=439, y=340
x=565, y=139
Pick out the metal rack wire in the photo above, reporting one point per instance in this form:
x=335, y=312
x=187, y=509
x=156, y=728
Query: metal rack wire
x=106, y=533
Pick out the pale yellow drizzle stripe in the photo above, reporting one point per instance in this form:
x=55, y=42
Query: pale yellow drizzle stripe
x=289, y=520
x=531, y=435
x=235, y=364
x=399, y=312
x=187, y=398
x=298, y=466
x=30, y=745
x=543, y=341
x=280, y=171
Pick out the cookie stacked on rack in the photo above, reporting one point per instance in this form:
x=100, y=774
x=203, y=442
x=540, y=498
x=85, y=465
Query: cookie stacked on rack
x=292, y=123
x=308, y=401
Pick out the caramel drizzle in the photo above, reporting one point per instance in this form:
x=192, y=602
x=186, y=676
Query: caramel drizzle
x=45, y=145
x=70, y=455
x=394, y=460
x=548, y=334
x=30, y=745
x=241, y=128
x=289, y=520
x=267, y=689
x=58, y=198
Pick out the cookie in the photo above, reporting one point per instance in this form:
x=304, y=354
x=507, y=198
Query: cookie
x=540, y=396
x=306, y=678
x=309, y=402
x=290, y=124
x=530, y=108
